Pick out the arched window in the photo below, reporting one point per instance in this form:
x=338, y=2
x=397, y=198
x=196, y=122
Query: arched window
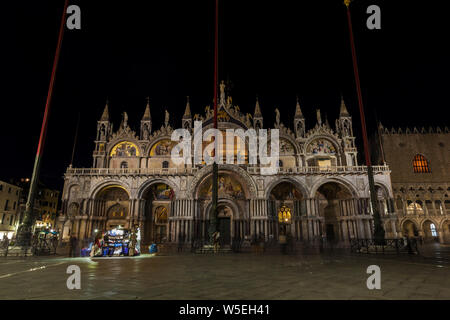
x=420, y=164
x=438, y=206
x=433, y=230
x=124, y=165
x=165, y=164
x=280, y=163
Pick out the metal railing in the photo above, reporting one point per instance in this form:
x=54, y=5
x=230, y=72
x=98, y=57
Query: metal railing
x=324, y=170
x=250, y=169
x=397, y=246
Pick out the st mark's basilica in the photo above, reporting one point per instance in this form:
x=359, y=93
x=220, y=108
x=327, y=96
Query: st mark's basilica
x=319, y=190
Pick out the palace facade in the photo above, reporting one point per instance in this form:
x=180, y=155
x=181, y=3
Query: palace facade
x=319, y=189
x=420, y=162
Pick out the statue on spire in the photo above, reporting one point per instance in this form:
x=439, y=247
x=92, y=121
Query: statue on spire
x=222, y=92
x=166, y=121
x=124, y=123
x=319, y=118
x=277, y=117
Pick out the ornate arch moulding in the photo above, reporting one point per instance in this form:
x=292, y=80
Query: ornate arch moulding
x=192, y=188
x=297, y=183
x=97, y=188
x=347, y=184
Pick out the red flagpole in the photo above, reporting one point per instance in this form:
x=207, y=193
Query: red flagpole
x=378, y=227
x=24, y=232
x=216, y=61
x=215, y=172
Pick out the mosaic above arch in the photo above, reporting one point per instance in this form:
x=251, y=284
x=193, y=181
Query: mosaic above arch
x=163, y=148
x=125, y=149
x=228, y=187
x=320, y=146
x=161, y=191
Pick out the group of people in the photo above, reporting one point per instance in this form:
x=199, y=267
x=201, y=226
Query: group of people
x=101, y=242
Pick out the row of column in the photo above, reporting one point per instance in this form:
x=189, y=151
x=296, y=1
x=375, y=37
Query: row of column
x=183, y=208
x=259, y=207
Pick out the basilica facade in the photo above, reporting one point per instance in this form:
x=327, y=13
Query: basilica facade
x=318, y=190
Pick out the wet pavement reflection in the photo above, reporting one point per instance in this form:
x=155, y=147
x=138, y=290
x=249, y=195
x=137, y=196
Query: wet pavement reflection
x=336, y=275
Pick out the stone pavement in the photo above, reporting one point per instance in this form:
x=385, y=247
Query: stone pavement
x=225, y=276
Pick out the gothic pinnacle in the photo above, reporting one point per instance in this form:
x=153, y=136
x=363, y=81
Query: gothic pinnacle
x=147, y=115
x=105, y=115
x=187, y=111
x=343, y=111
x=298, y=111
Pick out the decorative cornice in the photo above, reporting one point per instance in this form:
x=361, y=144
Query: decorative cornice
x=414, y=130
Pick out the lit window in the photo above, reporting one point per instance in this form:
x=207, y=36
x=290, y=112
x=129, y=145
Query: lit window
x=420, y=164
x=414, y=208
x=433, y=230
x=324, y=163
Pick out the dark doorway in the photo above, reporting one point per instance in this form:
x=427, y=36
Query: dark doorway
x=330, y=232
x=224, y=229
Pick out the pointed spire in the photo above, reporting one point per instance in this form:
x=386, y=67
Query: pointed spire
x=105, y=115
x=298, y=111
x=147, y=115
x=187, y=111
x=257, y=112
x=344, y=111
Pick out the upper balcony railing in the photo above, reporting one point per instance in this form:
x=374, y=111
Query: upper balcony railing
x=251, y=170
x=325, y=170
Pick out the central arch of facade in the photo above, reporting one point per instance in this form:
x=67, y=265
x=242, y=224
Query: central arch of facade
x=156, y=200
x=340, y=214
x=234, y=192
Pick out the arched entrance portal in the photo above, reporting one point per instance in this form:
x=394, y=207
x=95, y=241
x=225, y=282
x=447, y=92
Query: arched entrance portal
x=329, y=196
x=232, y=207
x=285, y=197
x=224, y=216
x=158, y=200
x=410, y=229
x=112, y=203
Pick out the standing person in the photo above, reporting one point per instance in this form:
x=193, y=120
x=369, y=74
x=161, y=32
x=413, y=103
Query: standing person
x=408, y=245
x=180, y=243
x=282, y=240
x=72, y=245
x=132, y=243
x=5, y=241
x=216, y=236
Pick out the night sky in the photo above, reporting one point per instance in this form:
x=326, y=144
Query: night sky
x=128, y=50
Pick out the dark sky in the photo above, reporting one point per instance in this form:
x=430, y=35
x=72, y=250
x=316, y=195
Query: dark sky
x=128, y=50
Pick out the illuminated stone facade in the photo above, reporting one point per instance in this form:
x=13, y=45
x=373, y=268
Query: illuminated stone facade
x=133, y=181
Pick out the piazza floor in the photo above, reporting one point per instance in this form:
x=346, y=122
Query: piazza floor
x=229, y=276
